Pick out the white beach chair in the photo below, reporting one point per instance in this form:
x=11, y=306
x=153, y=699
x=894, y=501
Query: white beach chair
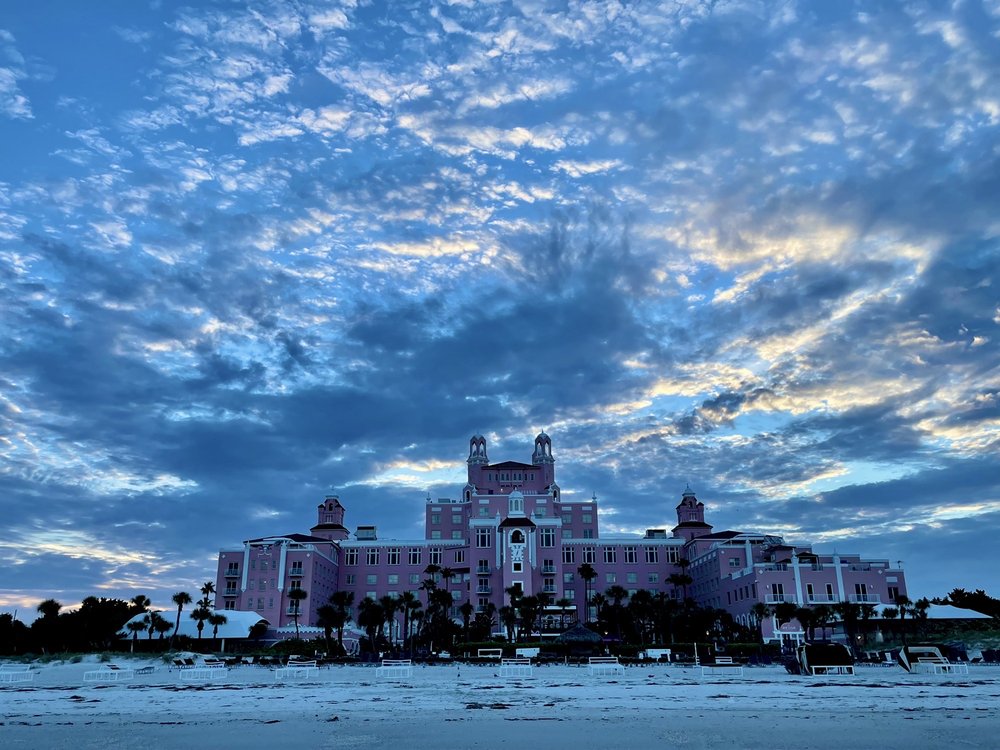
x=297, y=668
x=518, y=667
x=599, y=666
x=16, y=673
x=109, y=673
x=395, y=669
x=723, y=665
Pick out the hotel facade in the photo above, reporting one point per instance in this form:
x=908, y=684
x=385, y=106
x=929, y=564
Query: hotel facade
x=511, y=526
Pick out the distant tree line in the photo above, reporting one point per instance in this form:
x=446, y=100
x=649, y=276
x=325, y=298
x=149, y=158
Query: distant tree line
x=97, y=624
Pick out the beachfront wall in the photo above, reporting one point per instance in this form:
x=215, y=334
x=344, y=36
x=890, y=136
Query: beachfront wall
x=512, y=528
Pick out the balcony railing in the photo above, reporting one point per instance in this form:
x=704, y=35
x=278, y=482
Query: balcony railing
x=483, y=570
x=484, y=590
x=822, y=598
x=231, y=592
x=232, y=572
x=548, y=589
x=866, y=598
x=295, y=571
x=774, y=568
x=549, y=569
x=778, y=598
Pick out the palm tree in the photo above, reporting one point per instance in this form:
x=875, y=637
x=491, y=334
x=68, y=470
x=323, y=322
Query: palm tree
x=588, y=574
x=200, y=615
x=295, y=596
x=530, y=608
x=215, y=620
x=180, y=599
x=617, y=594
x=341, y=601
x=905, y=607
x=410, y=603
x=390, y=606
x=680, y=579
x=761, y=612
x=564, y=604
x=135, y=627
x=371, y=618
x=140, y=602
x=160, y=624
x=890, y=614
x=49, y=608
x=466, y=609
x=508, y=618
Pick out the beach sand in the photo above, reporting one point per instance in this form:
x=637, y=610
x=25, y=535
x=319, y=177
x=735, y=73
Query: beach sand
x=470, y=706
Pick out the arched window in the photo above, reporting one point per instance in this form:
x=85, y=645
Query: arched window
x=517, y=537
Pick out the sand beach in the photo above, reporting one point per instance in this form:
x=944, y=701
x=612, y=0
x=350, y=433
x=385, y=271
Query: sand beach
x=456, y=705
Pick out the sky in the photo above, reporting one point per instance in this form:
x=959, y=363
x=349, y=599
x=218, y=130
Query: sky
x=251, y=253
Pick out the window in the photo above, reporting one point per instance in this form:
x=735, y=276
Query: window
x=569, y=555
x=414, y=578
x=392, y=579
x=540, y=512
x=630, y=556
x=611, y=577
x=567, y=519
x=262, y=584
x=547, y=537
x=456, y=518
x=372, y=556
x=483, y=537
x=589, y=555
x=250, y=583
x=588, y=518
x=893, y=593
x=414, y=556
x=653, y=578
x=435, y=534
x=588, y=533
x=232, y=569
x=392, y=556
x=371, y=579
x=567, y=578
x=434, y=554
x=518, y=567
x=735, y=562
x=673, y=555
x=230, y=604
x=460, y=556
x=631, y=578
x=435, y=518
x=350, y=579
x=270, y=602
x=263, y=565
x=652, y=555
x=610, y=555
x=350, y=557
x=567, y=533
x=457, y=534
x=548, y=566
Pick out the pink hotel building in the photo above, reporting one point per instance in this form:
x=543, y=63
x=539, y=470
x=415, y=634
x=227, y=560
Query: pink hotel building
x=512, y=526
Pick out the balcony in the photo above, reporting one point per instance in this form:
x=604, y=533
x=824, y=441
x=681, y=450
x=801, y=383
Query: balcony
x=231, y=592
x=548, y=589
x=232, y=572
x=483, y=570
x=295, y=571
x=774, y=568
x=821, y=598
x=548, y=569
x=865, y=599
x=778, y=598
x=483, y=590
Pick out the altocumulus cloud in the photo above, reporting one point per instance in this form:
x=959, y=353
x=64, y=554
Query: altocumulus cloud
x=250, y=253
